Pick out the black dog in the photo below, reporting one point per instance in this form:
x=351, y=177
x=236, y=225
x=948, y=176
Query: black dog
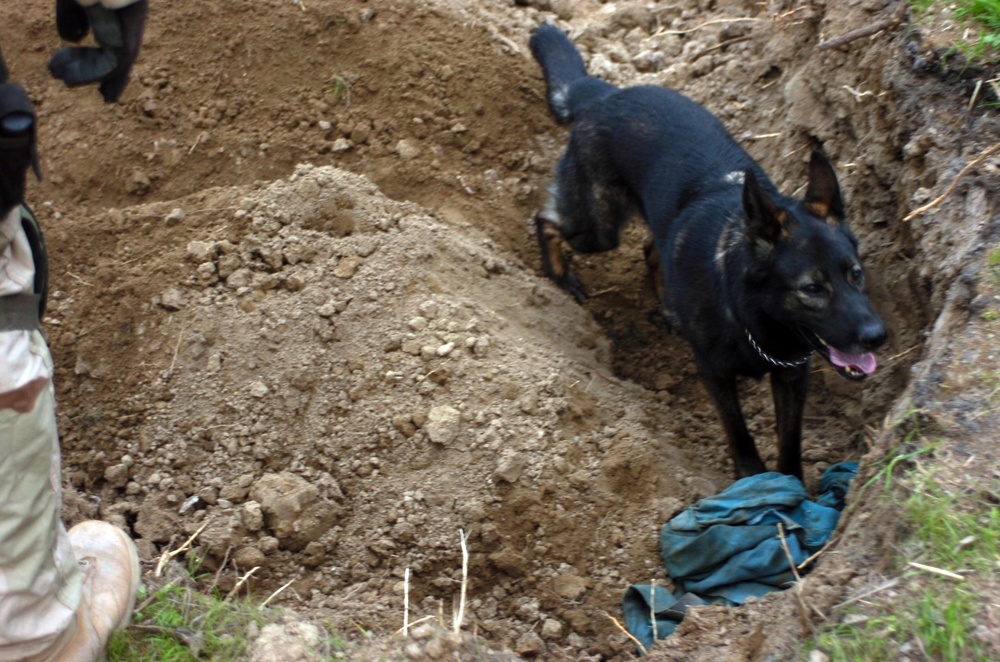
x=754, y=280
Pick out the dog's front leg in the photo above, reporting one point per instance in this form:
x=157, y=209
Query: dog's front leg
x=555, y=263
x=788, y=388
x=742, y=448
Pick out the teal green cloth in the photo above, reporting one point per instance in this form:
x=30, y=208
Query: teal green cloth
x=726, y=548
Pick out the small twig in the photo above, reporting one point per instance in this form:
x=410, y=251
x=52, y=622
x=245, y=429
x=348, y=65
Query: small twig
x=506, y=41
x=858, y=96
x=241, y=581
x=406, y=601
x=197, y=140
x=275, y=594
x=417, y=622
x=903, y=353
x=166, y=556
x=788, y=552
x=868, y=30
x=609, y=290
x=936, y=571
x=460, y=616
x=74, y=276
x=177, y=348
x=805, y=564
x=468, y=189
x=218, y=573
x=652, y=607
x=784, y=18
x=721, y=44
x=706, y=24
x=796, y=151
x=626, y=632
x=764, y=136
x=144, y=255
x=996, y=88
x=148, y=601
x=962, y=173
x=867, y=594
x=975, y=95
x=190, y=638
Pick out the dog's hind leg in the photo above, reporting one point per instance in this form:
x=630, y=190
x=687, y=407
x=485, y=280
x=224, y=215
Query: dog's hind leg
x=655, y=268
x=742, y=449
x=788, y=388
x=583, y=210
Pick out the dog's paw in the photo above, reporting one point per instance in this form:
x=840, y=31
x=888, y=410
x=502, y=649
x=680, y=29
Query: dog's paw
x=574, y=287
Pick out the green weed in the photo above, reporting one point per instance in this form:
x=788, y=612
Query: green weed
x=336, y=88
x=993, y=264
x=981, y=19
x=953, y=528
x=181, y=625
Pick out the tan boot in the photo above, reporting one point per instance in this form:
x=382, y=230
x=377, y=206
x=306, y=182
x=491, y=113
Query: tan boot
x=111, y=576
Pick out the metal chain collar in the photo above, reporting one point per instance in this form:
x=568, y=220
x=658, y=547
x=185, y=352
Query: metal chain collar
x=773, y=361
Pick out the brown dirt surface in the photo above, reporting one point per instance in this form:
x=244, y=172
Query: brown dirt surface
x=296, y=301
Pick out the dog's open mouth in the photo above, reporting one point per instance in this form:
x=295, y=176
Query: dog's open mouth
x=849, y=366
x=852, y=366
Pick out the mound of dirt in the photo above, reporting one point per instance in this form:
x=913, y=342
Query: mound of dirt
x=296, y=303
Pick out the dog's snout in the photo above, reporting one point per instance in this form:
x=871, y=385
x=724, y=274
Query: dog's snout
x=872, y=334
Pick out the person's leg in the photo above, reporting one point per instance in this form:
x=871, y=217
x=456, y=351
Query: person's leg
x=61, y=595
x=40, y=580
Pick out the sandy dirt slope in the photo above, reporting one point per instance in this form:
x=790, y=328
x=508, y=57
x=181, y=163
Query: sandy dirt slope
x=295, y=296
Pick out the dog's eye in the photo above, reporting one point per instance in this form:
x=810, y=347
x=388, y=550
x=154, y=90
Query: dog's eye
x=856, y=274
x=812, y=289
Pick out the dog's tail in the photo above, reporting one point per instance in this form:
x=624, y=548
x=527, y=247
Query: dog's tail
x=568, y=88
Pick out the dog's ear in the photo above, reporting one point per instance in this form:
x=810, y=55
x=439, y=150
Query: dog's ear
x=766, y=221
x=823, y=197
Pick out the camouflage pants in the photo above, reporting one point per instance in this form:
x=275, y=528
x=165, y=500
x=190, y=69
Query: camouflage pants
x=39, y=576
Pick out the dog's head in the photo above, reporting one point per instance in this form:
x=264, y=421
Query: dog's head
x=806, y=273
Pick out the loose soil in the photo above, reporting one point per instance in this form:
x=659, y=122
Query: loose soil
x=296, y=299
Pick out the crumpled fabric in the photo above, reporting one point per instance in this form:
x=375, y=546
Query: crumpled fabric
x=726, y=548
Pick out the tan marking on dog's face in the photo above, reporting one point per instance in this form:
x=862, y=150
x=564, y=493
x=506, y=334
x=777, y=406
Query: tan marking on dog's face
x=812, y=290
x=784, y=219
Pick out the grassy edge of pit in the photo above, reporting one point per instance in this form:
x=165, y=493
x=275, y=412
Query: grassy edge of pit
x=969, y=28
x=938, y=596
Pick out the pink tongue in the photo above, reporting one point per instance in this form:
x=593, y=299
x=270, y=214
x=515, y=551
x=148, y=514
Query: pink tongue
x=866, y=363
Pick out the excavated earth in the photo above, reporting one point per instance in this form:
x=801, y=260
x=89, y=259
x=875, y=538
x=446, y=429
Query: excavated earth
x=296, y=302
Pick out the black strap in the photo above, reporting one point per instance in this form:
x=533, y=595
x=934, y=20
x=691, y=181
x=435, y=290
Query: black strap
x=19, y=312
x=39, y=255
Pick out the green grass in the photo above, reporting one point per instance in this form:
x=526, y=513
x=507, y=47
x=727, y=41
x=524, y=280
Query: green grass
x=993, y=266
x=948, y=527
x=985, y=12
x=981, y=18
x=181, y=625
x=337, y=88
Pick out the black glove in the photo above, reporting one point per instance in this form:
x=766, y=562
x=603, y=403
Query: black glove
x=71, y=20
x=118, y=33
x=17, y=145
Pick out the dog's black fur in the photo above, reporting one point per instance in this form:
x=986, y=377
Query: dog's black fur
x=754, y=280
